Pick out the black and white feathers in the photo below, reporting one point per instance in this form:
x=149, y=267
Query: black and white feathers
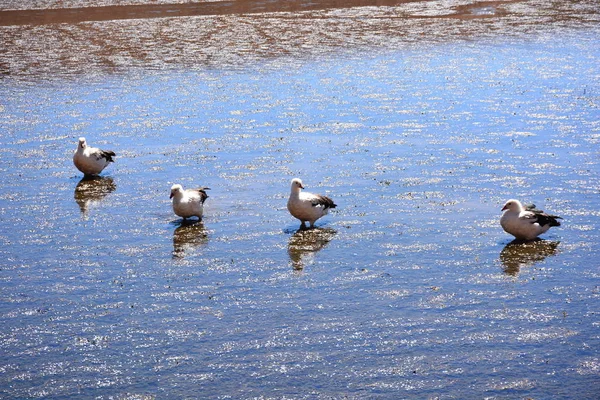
x=190, y=202
x=526, y=222
x=91, y=160
x=307, y=206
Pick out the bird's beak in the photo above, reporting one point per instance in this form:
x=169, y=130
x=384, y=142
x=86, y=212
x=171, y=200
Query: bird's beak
x=301, y=187
x=171, y=196
x=504, y=208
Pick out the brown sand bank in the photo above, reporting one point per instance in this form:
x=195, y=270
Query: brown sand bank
x=44, y=16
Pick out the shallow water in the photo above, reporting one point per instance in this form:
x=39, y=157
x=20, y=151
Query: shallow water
x=409, y=288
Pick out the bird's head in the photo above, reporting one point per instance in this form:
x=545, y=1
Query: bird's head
x=82, y=143
x=297, y=184
x=513, y=205
x=175, y=189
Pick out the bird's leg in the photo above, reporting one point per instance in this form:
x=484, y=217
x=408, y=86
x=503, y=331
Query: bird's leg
x=302, y=225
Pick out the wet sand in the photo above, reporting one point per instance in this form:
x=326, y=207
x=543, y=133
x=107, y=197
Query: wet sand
x=130, y=10
x=419, y=119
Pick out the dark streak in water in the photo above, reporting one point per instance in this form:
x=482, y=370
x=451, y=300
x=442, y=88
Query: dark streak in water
x=145, y=11
x=106, y=13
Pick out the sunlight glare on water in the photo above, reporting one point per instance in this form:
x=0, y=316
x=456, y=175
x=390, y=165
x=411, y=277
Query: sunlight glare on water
x=409, y=288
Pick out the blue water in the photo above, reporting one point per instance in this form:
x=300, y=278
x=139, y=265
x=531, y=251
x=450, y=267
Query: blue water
x=408, y=289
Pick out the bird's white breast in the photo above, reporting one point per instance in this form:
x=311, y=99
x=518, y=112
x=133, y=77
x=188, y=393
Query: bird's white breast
x=88, y=163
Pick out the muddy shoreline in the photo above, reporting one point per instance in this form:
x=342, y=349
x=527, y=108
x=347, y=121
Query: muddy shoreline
x=143, y=11
x=96, y=42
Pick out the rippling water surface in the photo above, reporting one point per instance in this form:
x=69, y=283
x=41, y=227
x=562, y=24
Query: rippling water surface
x=420, y=119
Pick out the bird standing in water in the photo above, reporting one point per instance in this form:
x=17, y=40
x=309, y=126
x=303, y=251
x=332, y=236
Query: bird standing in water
x=307, y=206
x=91, y=160
x=526, y=222
x=190, y=202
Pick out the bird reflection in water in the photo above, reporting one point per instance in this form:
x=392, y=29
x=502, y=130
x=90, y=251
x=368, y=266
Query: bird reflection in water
x=304, y=244
x=188, y=236
x=519, y=254
x=91, y=190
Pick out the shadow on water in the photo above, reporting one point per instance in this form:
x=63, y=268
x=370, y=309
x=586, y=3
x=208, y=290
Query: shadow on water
x=518, y=254
x=188, y=236
x=91, y=190
x=305, y=243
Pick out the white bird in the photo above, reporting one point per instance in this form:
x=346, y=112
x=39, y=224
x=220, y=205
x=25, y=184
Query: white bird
x=526, y=222
x=91, y=160
x=190, y=202
x=307, y=206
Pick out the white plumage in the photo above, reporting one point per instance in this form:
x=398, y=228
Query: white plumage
x=307, y=206
x=91, y=160
x=526, y=222
x=190, y=202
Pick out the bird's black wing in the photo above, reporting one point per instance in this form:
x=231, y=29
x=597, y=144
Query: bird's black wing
x=203, y=195
x=320, y=200
x=105, y=154
x=542, y=217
